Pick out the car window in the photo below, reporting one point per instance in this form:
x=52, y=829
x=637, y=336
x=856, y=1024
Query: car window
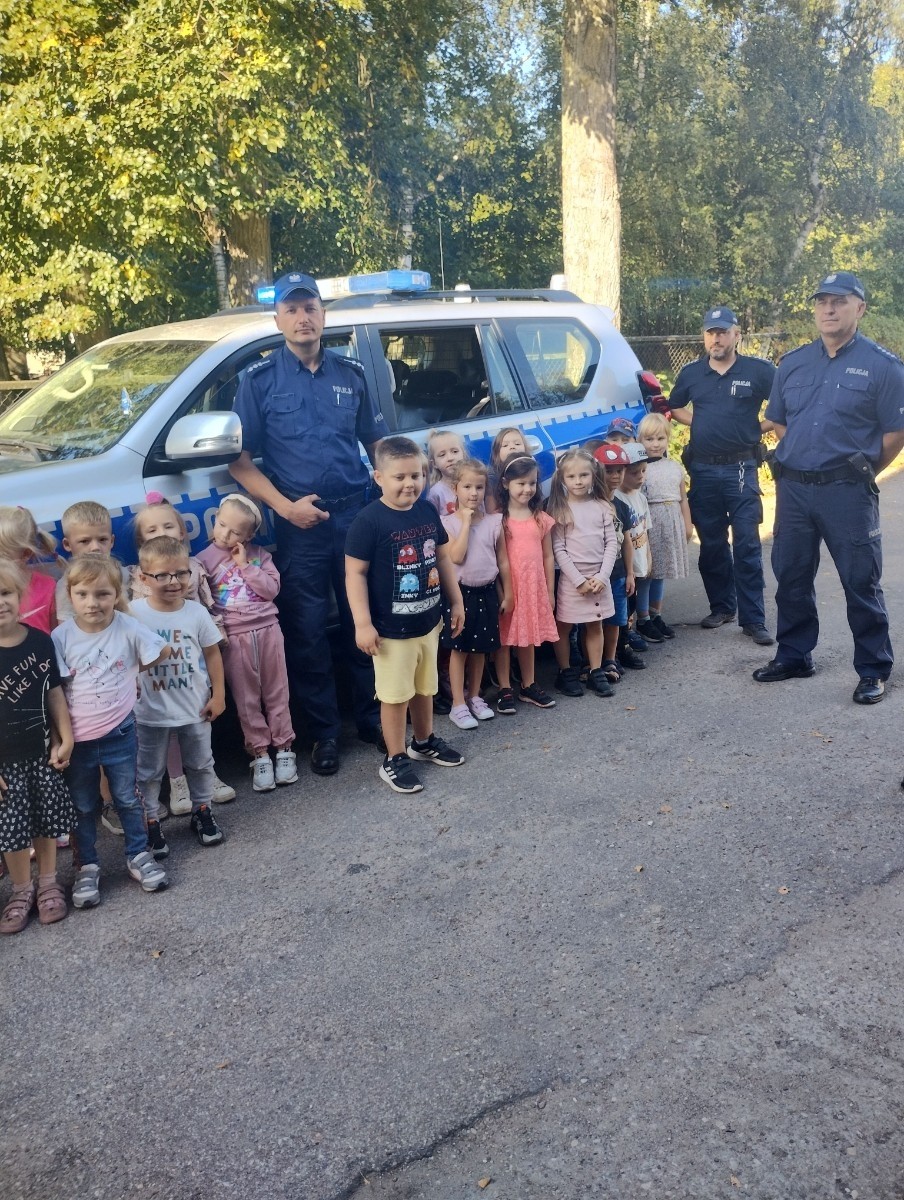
x=559, y=358
x=90, y=403
x=441, y=375
x=218, y=394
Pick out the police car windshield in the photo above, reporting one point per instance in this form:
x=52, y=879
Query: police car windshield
x=91, y=402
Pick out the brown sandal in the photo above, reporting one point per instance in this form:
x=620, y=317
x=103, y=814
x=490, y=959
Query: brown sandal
x=18, y=909
x=51, y=903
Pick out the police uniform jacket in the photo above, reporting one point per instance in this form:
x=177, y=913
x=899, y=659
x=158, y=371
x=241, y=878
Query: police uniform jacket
x=836, y=407
x=306, y=425
x=726, y=407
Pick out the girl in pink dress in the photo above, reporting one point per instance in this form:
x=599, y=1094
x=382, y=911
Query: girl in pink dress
x=584, y=545
x=530, y=621
x=23, y=543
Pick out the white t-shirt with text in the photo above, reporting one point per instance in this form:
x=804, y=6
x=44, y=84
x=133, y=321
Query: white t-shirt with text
x=174, y=692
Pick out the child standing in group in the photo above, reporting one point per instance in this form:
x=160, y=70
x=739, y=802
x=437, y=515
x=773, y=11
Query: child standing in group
x=631, y=492
x=22, y=542
x=35, y=745
x=100, y=652
x=670, y=519
x=397, y=564
x=477, y=548
x=584, y=545
x=159, y=518
x=507, y=442
x=182, y=695
x=245, y=584
x=530, y=621
x=445, y=450
x=617, y=654
x=87, y=530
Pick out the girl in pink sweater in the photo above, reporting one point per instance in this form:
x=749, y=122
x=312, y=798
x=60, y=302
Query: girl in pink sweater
x=245, y=583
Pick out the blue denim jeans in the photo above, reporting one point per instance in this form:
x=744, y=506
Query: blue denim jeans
x=117, y=753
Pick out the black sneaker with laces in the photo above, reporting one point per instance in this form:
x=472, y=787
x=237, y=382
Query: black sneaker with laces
x=435, y=750
x=657, y=622
x=536, y=696
x=631, y=659
x=398, y=772
x=156, y=841
x=205, y=828
x=505, y=702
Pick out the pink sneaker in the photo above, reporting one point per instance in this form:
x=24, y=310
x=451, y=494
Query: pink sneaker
x=481, y=709
x=461, y=716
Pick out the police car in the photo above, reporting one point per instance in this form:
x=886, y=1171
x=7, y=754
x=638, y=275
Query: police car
x=152, y=410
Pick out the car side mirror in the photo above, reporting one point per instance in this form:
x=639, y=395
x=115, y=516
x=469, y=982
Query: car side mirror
x=205, y=435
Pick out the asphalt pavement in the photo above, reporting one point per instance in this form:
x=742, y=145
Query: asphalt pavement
x=648, y=945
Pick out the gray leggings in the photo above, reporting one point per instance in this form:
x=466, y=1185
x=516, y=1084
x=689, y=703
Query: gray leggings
x=197, y=761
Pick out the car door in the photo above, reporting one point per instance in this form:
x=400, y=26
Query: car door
x=452, y=375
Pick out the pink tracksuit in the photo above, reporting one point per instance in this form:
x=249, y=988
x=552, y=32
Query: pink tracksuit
x=254, y=658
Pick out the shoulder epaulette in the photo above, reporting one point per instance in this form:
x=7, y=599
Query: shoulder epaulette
x=261, y=364
x=885, y=352
x=354, y=363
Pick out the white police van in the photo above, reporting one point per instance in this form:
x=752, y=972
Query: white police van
x=152, y=410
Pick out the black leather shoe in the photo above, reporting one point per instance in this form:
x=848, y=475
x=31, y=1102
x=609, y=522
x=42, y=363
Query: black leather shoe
x=373, y=736
x=715, y=619
x=760, y=634
x=325, y=757
x=776, y=671
x=869, y=690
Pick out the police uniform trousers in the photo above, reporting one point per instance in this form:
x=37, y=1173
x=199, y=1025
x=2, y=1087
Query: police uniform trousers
x=312, y=570
x=844, y=515
x=723, y=496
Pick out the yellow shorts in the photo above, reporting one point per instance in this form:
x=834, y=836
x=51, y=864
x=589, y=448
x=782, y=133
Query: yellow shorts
x=407, y=667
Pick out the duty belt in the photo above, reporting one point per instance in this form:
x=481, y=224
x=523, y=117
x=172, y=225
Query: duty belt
x=725, y=460
x=833, y=476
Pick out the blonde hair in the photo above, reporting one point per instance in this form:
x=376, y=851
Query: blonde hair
x=653, y=423
x=11, y=572
x=86, y=512
x=433, y=436
x=471, y=466
x=92, y=567
x=20, y=537
x=247, y=505
x=559, y=507
x=161, y=546
x=154, y=500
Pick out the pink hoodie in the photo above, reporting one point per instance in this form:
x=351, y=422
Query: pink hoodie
x=243, y=595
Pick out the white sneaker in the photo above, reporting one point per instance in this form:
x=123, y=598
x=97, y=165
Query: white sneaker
x=222, y=792
x=179, y=796
x=262, y=774
x=481, y=709
x=461, y=716
x=286, y=770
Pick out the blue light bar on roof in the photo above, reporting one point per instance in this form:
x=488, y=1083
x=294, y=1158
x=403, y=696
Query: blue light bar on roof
x=396, y=280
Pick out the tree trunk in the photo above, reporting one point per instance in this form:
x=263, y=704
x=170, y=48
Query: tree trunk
x=591, y=213
x=250, y=260
x=642, y=48
x=213, y=231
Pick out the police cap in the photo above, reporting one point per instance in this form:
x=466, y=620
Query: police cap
x=719, y=318
x=295, y=282
x=840, y=283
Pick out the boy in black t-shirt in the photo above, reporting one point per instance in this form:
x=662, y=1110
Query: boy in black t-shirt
x=396, y=565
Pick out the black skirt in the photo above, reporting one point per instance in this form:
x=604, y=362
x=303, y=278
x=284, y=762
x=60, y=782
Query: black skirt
x=481, y=631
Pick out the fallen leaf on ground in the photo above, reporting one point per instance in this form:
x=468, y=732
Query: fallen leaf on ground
x=783, y=891
x=726, y=806
x=444, y=829
x=735, y=1182
x=223, y=1065
x=639, y=869
x=665, y=808
x=630, y=708
x=485, y=1182
x=156, y=954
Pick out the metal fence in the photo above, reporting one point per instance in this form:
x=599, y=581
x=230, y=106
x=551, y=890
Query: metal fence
x=667, y=355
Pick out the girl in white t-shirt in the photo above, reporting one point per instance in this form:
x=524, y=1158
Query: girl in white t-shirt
x=477, y=548
x=99, y=653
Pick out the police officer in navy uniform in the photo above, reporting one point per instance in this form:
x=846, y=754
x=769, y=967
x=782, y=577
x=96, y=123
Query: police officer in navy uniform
x=726, y=391
x=304, y=410
x=838, y=409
